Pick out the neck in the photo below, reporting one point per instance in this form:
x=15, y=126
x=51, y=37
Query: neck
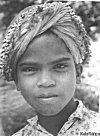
x=54, y=123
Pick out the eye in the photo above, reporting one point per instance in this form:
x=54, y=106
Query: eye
x=29, y=69
x=61, y=67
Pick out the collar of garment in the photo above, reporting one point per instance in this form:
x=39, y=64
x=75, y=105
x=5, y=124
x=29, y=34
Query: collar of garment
x=77, y=114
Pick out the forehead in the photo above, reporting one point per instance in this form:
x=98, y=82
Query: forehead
x=45, y=48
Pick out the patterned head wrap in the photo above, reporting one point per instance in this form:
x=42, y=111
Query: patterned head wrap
x=34, y=20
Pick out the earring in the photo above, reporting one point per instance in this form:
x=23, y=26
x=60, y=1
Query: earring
x=78, y=79
x=18, y=89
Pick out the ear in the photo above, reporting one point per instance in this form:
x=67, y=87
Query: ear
x=79, y=70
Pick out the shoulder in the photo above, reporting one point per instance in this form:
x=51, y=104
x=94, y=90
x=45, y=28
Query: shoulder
x=28, y=130
x=91, y=115
x=87, y=120
x=94, y=121
x=91, y=120
x=23, y=131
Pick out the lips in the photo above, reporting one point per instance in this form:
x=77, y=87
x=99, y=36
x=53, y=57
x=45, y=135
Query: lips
x=46, y=96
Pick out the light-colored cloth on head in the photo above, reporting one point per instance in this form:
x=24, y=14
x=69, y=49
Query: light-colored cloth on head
x=57, y=17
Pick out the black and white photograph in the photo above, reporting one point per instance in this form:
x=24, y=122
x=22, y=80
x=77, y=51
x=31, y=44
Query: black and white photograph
x=49, y=68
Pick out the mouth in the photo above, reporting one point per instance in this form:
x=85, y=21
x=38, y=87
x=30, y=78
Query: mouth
x=47, y=97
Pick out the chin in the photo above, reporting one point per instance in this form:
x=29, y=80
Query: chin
x=49, y=112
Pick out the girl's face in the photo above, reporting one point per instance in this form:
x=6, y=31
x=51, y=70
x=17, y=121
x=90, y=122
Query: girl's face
x=46, y=75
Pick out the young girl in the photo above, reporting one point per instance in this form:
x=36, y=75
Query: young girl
x=44, y=50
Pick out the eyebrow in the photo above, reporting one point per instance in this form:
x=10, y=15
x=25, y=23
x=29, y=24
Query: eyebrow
x=29, y=64
x=60, y=60
x=52, y=62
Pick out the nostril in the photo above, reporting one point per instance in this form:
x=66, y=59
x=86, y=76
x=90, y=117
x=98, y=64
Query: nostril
x=45, y=79
x=46, y=83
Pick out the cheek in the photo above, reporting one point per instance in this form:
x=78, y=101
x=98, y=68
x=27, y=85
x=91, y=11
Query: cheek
x=26, y=85
x=27, y=89
x=68, y=82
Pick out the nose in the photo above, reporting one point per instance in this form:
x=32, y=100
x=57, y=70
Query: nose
x=46, y=80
